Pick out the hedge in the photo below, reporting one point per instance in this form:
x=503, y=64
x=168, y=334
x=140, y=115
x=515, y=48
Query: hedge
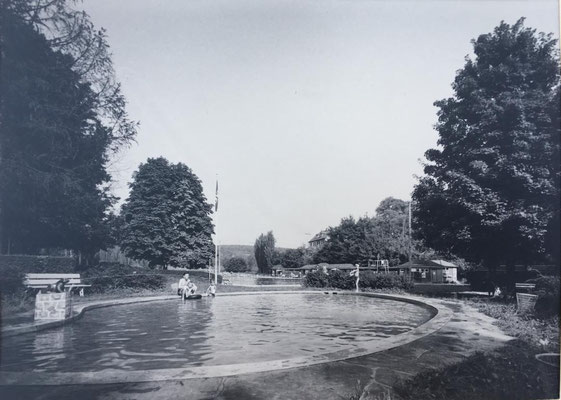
x=368, y=280
x=10, y=265
x=103, y=284
x=549, y=298
x=14, y=267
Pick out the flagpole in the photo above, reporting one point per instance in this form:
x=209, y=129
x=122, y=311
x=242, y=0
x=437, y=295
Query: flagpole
x=216, y=264
x=216, y=235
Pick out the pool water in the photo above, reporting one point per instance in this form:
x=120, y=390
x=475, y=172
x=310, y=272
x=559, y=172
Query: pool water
x=210, y=331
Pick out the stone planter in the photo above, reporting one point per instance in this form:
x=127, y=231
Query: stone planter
x=53, y=306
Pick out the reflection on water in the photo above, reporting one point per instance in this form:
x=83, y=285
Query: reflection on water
x=52, y=341
x=210, y=331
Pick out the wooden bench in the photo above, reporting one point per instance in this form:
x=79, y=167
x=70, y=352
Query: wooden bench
x=47, y=281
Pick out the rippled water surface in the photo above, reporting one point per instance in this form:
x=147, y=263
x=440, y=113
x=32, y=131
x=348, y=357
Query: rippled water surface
x=210, y=331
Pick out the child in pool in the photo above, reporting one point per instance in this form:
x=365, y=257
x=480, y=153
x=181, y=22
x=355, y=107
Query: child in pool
x=211, y=291
x=190, y=289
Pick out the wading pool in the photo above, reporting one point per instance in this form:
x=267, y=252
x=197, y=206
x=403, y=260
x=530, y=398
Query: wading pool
x=211, y=332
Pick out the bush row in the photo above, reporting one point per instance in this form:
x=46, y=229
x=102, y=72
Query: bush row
x=549, y=296
x=103, y=284
x=14, y=267
x=368, y=280
x=104, y=276
x=24, y=263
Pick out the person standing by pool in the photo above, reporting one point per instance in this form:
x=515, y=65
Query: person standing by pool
x=356, y=274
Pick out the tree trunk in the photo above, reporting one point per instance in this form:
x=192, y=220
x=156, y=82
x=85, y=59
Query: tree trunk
x=510, y=274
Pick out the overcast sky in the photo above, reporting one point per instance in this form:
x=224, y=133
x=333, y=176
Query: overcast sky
x=308, y=111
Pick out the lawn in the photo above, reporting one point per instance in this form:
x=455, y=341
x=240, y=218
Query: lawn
x=510, y=372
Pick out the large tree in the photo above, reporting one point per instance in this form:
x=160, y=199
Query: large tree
x=491, y=189
x=384, y=236
x=292, y=258
x=167, y=220
x=392, y=223
x=352, y=241
x=236, y=264
x=264, y=249
x=61, y=117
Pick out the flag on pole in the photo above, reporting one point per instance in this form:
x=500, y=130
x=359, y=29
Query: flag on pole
x=216, y=201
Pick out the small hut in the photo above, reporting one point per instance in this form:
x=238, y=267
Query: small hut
x=428, y=271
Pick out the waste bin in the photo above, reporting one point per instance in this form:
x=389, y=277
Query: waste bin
x=526, y=302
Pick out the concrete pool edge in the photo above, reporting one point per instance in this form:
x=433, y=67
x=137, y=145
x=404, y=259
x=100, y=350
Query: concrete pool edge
x=77, y=312
x=442, y=315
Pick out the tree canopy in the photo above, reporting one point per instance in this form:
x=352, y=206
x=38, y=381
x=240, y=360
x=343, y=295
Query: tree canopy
x=490, y=192
x=265, y=254
x=166, y=217
x=236, y=264
x=293, y=258
x=366, y=239
x=58, y=130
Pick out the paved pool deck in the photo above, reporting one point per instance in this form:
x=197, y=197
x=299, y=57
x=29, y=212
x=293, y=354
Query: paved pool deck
x=463, y=332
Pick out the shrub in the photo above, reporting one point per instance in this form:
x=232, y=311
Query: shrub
x=368, y=280
x=316, y=279
x=103, y=284
x=14, y=267
x=36, y=264
x=104, y=269
x=372, y=280
x=341, y=280
x=12, y=284
x=547, y=288
x=107, y=276
x=236, y=264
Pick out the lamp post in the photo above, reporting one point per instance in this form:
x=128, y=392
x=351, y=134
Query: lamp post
x=410, y=241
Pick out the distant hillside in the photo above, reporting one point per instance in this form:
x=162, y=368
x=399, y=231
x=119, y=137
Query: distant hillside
x=228, y=251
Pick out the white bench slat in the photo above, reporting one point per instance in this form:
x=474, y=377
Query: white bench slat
x=45, y=285
x=52, y=276
x=66, y=287
x=52, y=280
x=525, y=285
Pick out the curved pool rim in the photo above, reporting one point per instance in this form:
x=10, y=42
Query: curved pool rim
x=441, y=315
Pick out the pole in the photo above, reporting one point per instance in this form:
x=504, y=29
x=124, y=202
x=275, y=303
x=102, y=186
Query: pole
x=216, y=264
x=216, y=235
x=410, y=242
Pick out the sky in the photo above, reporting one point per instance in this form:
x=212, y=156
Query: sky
x=306, y=111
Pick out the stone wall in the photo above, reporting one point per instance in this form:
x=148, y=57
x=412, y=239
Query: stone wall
x=53, y=306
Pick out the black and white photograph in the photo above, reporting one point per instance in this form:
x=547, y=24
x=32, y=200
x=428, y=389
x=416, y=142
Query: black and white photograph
x=280, y=199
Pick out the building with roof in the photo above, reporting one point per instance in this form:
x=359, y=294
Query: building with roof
x=327, y=267
x=319, y=239
x=428, y=271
